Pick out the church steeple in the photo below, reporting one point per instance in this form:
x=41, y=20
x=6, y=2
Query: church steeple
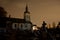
x=27, y=14
x=26, y=9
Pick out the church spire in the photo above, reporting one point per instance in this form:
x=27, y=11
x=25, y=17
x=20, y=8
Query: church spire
x=26, y=14
x=26, y=9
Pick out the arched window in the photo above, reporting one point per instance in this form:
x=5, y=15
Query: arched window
x=15, y=26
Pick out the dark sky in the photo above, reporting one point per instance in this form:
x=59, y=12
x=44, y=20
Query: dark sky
x=41, y=10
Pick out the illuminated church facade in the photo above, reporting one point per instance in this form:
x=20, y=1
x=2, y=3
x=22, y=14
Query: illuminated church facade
x=16, y=23
x=26, y=24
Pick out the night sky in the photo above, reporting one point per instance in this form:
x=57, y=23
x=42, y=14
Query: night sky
x=41, y=10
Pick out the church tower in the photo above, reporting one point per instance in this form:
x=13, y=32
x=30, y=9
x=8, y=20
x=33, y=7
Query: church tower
x=26, y=14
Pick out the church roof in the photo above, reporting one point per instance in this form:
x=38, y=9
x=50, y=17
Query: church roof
x=14, y=20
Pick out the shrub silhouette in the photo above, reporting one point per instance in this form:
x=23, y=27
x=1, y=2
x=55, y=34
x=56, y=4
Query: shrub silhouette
x=3, y=13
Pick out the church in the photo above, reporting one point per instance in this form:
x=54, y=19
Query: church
x=17, y=23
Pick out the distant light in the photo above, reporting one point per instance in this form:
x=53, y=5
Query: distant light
x=35, y=28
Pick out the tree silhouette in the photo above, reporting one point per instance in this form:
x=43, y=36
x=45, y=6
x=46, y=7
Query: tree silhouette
x=58, y=26
x=3, y=13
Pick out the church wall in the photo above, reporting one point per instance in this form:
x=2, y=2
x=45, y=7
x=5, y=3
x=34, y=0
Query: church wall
x=21, y=26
